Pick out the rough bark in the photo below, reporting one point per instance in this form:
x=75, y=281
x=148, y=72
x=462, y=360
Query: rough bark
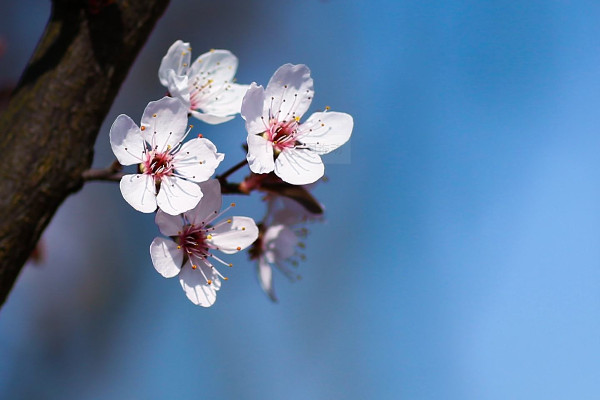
x=49, y=128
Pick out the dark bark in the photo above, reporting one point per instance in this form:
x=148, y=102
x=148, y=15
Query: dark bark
x=49, y=128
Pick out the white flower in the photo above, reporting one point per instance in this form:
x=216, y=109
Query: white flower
x=205, y=86
x=169, y=169
x=279, y=241
x=276, y=138
x=189, y=251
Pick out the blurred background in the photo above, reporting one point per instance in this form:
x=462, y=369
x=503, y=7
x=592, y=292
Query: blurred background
x=460, y=257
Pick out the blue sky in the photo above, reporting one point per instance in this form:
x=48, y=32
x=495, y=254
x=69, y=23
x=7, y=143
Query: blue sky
x=460, y=258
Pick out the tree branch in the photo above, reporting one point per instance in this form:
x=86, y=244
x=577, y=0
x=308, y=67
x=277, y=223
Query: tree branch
x=51, y=123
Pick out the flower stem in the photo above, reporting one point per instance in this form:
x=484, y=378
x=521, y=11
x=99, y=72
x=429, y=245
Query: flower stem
x=112, y=173
x=223, y=177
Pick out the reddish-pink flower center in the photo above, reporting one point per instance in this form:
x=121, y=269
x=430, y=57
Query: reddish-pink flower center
x=281, y=134
x=193, y=241
x=158, y=165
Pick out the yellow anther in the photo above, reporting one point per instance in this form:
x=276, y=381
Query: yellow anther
x=210, y=81
x=297, y=118
x=209, y=237
x=327, y=108
x=143, y=128
x=183, y=53
x=191, y=126
x=226, y=278
x=185, y=64
x=194, y=266
x=238, y=248
x=228, y=221
x=178, y=247
x=209, y=282
x=154, y=115
x=168, y=147
x=322, y=124
x=243, y=228
x=212, y=50
x=230, y=265
x=232, y=204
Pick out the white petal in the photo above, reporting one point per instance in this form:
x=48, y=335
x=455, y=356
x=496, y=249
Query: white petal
x=167, y=259
x=260, y=154
x=280, y=242
x=176, y=59
x=264, y=272
x=228, y=101
x=177, y=195
x=195, y=286
x=218, y=65
x=289, y=92
x=169, y=225
x=169, y=125
x=209, y=206
x=139, y=191
x=211, y=119
x=299, y=166
x=324, y=132
x=252, y=109
x=197, y=160
x=178, y=88
x=235, y=236
x=126, y=140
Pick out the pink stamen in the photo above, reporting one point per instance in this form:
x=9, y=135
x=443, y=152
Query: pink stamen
x=282, y=134
x=158, y=165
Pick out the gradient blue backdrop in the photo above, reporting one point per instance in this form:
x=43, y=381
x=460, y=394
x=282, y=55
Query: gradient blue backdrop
x=461, y=254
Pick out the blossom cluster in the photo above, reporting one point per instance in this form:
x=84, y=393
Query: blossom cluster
x=174, y=176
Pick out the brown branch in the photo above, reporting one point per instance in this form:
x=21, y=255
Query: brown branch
x=53, y=118
x=223, y=177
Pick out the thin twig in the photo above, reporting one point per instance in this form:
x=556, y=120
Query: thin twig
x=223, y=177
x=112, y=173
x=231, y=188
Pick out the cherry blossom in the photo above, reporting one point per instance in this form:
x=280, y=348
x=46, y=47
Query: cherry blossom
x=189, y=252
x=169, y=170
x=206, y=86
x=277, y=140
x=280, y=241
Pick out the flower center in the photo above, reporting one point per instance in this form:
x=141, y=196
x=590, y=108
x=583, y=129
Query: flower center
x=193, y=241
x=158, y=165
x=199, y=92
x=281, y=134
